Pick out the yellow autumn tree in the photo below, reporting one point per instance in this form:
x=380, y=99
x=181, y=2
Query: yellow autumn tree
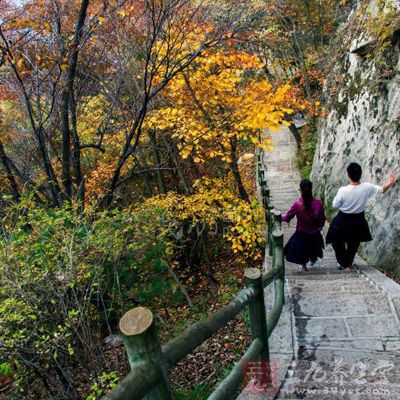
x=222, y=100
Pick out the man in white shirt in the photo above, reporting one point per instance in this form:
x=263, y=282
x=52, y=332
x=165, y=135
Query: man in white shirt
x=349, y=228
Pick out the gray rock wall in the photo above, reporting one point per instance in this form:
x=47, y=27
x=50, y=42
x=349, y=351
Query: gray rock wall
x=363, y=125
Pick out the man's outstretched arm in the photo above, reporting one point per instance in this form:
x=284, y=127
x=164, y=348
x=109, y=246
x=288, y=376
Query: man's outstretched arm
x=390, y=182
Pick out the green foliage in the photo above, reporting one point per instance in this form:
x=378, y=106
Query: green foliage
x=65, y=279
x=329, y=210
x=105, y=382
x=246, y=317
x=199, y=392
x=226, y=297
x=327, y=200
x=203, y=390
x=5, y=370
x=307, y=151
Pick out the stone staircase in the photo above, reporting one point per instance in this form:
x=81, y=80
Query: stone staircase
x=345, y=330
x=347, y=338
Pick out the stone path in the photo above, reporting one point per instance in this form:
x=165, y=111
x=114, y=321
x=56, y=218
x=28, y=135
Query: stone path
x=345, y=331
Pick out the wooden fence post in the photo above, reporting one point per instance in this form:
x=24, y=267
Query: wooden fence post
x=142, y=345
x=258, y=323
x=278, y=261
x=267, y=195
x=270, y=223
x=275, y=223
x=277, y=220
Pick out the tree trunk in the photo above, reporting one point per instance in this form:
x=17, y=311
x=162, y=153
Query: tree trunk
x=8, y=170
x=76, y=156
x=194, y=167
x=180, y=284
x=157, y=160
x=147, y=175
x=174, y=154
x=209, y=270
x=235, y=171
x=66, y=177
x=298, y=50
x=129, y=148
x=66, y=99
x=54, y=187
x=311, y=22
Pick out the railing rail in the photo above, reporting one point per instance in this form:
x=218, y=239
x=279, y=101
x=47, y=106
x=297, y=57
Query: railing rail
x=150, y=362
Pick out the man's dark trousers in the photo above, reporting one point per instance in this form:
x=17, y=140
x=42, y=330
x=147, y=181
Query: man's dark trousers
x=346, y=252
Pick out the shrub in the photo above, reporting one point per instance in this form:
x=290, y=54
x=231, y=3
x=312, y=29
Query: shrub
x=65, y=278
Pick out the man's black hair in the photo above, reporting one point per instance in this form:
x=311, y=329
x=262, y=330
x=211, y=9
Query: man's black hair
x=354, y=171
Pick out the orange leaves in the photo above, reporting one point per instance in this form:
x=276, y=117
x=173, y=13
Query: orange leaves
x=32, y=23
x=41, y=61
x=98, y=178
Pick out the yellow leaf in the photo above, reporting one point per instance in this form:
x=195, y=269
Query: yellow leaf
x=47, y=26
x=20, y=62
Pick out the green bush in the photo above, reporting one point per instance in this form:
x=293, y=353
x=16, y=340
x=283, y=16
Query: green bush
x=307, y=151
x=65, y=279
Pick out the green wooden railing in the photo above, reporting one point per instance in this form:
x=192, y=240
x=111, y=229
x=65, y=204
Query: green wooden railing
x=149, y=361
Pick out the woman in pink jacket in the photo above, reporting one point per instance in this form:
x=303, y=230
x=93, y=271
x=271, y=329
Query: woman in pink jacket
x=306, y=244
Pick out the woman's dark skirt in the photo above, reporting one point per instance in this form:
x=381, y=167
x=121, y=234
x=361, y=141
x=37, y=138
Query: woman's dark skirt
x=349, y=228
x=304, y=247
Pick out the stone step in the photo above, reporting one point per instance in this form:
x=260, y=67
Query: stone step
x=352, y=349
x=282, y=192
x=279, y=186
x=324, y=266
x=324, y=273
x=326, y=329
x=284, y=203
x=345, y=305
x=313, y=287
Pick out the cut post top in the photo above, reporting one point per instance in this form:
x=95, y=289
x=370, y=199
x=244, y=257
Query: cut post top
x=252, y=273
x=136, y=321
x=277, y=233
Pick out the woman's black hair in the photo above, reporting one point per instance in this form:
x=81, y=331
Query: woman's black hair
x=306, y=193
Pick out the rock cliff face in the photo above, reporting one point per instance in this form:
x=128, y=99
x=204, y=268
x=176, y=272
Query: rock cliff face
x=363, y=125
